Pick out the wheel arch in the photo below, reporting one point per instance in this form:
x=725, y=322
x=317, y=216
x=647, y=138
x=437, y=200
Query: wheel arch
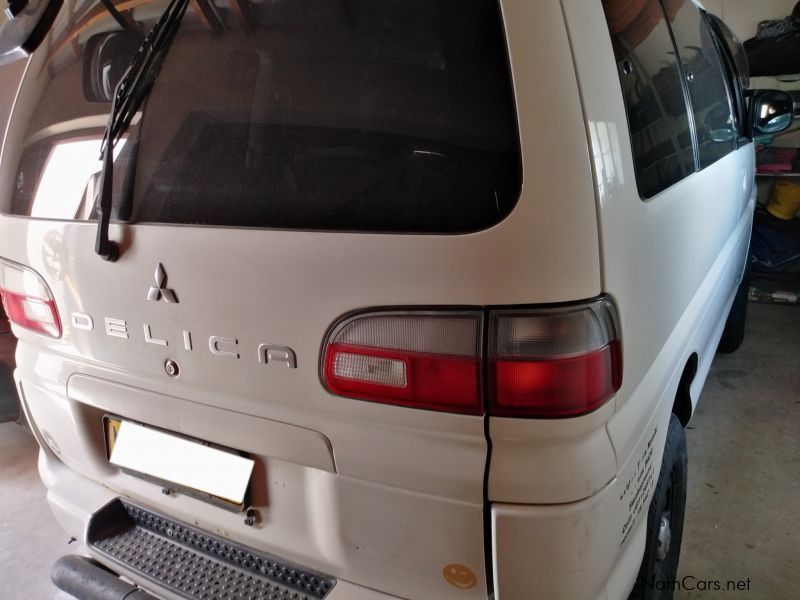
x=682, y=405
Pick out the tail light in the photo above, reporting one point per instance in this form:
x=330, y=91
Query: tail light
x=421, y=360
x=542, y=363
x=27, y=299
x=553, y=363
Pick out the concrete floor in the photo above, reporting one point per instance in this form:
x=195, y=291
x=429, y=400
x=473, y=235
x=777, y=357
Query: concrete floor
x=744, y=479
x=744, y=465
x=30, y=538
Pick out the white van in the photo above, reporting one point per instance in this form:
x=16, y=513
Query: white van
x=398, y=299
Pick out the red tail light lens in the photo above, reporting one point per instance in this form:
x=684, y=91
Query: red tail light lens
x=419, y=360
x=554, y=363
x=27, y=299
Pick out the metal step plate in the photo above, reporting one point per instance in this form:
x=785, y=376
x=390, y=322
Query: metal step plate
x=195, y=564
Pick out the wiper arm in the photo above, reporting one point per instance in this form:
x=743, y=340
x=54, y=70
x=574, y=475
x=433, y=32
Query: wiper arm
x=128, y=97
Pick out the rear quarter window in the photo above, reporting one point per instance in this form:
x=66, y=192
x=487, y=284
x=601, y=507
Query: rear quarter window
x=661, y=137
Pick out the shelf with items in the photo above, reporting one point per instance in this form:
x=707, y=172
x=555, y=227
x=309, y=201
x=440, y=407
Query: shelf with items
x=780, y=156
x=772, y=161
x=775, y=243
x=768, y=291
x=775, y=255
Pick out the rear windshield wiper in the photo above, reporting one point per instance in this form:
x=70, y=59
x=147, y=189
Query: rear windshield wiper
x=131, y=91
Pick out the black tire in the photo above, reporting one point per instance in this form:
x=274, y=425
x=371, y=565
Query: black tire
x=733, y=334
x=659, y=568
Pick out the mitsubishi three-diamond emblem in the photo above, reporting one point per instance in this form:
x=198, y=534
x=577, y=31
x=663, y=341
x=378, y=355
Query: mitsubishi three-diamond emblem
x=160, y=290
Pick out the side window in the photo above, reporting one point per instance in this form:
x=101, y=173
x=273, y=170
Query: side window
x=654, y=97
x=710, y=96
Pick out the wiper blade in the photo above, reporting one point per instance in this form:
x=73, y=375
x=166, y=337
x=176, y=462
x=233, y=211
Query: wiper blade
x=131, y=91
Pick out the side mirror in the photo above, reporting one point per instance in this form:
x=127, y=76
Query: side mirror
x=27, y=24
x=719, y=125
x=105, y=59
x=772, y=112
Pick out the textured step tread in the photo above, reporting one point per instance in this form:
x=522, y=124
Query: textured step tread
x=196, y=564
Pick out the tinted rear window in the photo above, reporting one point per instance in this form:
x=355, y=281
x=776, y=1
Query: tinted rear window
x=361, y=115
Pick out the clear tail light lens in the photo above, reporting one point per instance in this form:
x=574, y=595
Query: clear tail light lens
x=27, y=299
x=419, y=360
x=553, y=363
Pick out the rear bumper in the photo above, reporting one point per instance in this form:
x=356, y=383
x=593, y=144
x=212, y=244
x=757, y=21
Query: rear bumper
x=568, y=551
x=548, y=552
x=74, y=499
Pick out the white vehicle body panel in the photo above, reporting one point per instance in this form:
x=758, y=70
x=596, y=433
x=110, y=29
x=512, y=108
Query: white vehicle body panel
x=672, y=264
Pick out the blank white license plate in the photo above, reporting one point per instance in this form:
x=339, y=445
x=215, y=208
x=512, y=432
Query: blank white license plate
x=186, y=463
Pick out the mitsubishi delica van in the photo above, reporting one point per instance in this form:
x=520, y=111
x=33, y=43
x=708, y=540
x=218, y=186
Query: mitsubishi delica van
x=366, y=299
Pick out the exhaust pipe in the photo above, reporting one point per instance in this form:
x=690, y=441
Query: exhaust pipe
x=88, y=580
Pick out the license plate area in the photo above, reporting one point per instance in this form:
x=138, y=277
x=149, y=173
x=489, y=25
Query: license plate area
x=209, y=472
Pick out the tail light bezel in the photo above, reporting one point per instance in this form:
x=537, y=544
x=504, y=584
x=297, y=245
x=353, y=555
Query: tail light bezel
x=43, y=297
x=603, y=308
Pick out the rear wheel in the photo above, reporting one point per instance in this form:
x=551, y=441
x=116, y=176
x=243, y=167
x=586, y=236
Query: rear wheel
x=665, y=521
x=733, y=334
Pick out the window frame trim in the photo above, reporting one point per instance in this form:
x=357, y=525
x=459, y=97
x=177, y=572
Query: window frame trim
x=687, y=96
x=736, y=91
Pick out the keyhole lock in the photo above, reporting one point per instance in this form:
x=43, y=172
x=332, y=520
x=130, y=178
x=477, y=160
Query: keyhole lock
x=172, y=369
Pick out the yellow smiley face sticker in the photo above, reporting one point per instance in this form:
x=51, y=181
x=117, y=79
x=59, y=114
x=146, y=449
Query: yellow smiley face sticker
x=459, y=576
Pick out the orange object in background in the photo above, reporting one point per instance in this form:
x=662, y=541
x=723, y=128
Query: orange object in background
x=784, y=200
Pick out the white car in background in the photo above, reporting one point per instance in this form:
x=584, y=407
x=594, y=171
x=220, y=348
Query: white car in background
x=384, y=299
